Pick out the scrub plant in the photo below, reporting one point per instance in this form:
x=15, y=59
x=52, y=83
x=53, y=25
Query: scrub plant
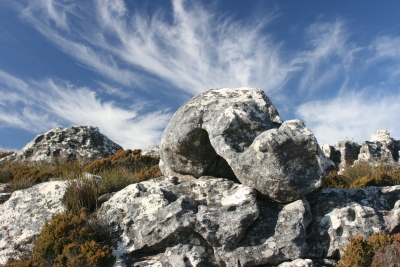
x=69, y=240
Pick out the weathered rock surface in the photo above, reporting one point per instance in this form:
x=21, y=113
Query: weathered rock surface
x=380, y=148
x=80, y=142
x=24, y=214
x=157, y=214
x=278, y=235
x=349, y=152
x=298, y=263
x=237, y=133
x=339, y=214
x=210, y=220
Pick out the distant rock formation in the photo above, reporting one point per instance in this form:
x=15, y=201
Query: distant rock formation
x=153, y=151
x=381, y=148
x=78, y=142
x=238, y=134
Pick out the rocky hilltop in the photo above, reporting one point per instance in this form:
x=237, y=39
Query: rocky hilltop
x=78, y=142
x=238, y=189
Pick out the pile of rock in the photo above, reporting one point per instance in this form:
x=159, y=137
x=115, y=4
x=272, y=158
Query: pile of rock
x=197, y=214
x=74, y=143
x=381, y=148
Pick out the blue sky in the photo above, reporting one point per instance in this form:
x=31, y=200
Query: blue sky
x=127, y=66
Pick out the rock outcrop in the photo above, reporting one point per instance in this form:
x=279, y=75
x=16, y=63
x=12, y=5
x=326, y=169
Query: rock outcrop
x=25, y=213
x=381, y=148
x=238, y=134
x=211, y=218
x=217, y=222
x=79, y=142
x=339, y=214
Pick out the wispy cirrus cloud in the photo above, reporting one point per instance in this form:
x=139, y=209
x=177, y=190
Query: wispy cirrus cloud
x=54, y=103
x=191, y=49
x=194, y=50
x=353, y=115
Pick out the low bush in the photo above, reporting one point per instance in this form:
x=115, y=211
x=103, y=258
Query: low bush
x=69, y=240
x=21, y=174
x=363, y=174
x=378, y=250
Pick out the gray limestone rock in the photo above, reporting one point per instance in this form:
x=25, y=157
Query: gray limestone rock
x=278, y=235
x=238, y=134
x=332, y=153
x=25, y=213
x=298, y=263
x=349, y=152
x=339, y=214
x=381, y=148
x=156, y=214
x=79, y=142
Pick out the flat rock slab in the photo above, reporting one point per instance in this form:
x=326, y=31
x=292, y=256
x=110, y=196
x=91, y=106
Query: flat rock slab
x=25, y=213
x=236, y=133
x=339, y=214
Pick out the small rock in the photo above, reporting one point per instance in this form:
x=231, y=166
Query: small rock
x=297, y=263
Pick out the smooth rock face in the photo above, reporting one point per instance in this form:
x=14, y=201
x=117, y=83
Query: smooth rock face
x=80, y=142
x=24, y=214
x=238, y=134
x=339, y=214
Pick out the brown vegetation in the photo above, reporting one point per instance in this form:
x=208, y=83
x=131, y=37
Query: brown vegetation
x=362, y=175
x=69, y=240
x=378, y=250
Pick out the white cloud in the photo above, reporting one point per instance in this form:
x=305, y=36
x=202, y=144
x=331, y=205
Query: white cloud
x=330, y=55
x=387, y=48
x=195, y=51
x=354, y=115
x=53, y=103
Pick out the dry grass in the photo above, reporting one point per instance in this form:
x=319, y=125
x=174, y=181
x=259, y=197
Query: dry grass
x=119, y=170
x=363, y=174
